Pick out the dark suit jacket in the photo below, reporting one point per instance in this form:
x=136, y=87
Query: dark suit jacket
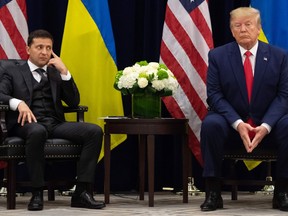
x=17, y=82
x=226, y=85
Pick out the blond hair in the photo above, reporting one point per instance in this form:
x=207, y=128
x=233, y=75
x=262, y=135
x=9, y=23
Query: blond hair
x=245, y=12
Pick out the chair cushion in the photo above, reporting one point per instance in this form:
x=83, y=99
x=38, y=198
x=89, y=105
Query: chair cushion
x=257, y=154
x=14, y=148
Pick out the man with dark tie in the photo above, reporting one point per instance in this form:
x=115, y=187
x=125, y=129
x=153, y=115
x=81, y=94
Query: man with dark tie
x=34, y=92
x=247, y=95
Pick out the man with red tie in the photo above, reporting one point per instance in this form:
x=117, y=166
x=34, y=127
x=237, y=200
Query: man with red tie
x=247, y=95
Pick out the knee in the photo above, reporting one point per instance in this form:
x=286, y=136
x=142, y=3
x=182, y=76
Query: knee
x=37, y=132
x=281, y=128
x=211, y=124
x=214, y=125
x=94, y=130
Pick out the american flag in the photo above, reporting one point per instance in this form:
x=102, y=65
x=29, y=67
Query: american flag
x=186, y=41
x=13, y=33
x=13, y=29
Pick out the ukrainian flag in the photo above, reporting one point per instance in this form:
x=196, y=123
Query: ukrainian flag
x=274, y=21
x=88, y=50
x=274, y=31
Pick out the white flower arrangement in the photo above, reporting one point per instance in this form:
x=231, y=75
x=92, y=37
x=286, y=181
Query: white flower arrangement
x=144, y=77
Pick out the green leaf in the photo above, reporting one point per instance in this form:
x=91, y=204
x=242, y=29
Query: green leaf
x=162, y=74
x=142, y=63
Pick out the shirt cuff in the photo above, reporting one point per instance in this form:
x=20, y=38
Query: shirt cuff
x=66, y=77
x=236, y=123
x=13, y=103
x=268, y=127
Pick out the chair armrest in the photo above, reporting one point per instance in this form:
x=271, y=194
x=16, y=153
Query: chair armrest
x=80, y=110
x=4, y=107
x=3, y=130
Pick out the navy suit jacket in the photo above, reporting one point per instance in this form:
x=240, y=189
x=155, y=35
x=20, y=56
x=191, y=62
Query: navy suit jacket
x=17, y=82
x=226, y=85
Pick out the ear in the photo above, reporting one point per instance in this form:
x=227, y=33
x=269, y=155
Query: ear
x=28, y=50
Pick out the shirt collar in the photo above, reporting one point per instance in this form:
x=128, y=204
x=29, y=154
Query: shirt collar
x=253, y=50
x=33, y=67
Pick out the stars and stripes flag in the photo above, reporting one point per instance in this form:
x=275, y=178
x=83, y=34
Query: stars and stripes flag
x=13, y=33
x=186, y=41
x=13, y=29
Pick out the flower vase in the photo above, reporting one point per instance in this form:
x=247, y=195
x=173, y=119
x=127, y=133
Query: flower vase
x=146, y=106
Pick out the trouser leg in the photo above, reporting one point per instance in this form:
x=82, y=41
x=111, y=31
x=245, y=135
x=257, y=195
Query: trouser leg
x=35, y=136
x=90, y=136
x=214, y=134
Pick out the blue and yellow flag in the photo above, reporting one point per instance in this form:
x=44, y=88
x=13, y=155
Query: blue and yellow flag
x=274, y=31
x=274, y=21
x=88, y=50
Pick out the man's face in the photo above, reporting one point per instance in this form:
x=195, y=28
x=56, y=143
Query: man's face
x=40, y=51
x=245, y=30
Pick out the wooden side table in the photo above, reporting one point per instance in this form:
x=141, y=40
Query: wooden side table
x=146, y=129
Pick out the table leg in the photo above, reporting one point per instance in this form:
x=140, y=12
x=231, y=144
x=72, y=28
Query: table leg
x=142, y=150
x=185, y=152
x=107, y=154
x=150, y=154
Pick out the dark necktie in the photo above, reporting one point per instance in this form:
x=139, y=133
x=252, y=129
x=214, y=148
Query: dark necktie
x=41, y=72
x=249, y=83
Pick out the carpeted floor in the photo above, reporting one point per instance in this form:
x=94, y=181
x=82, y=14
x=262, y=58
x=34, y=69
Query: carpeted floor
x=166, y=203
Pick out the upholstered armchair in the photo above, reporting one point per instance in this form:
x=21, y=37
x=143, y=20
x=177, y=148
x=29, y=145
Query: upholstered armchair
x=12, y=149
x=266, y=155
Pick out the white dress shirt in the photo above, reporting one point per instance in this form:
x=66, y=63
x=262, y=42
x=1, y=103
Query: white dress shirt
x=14, y=102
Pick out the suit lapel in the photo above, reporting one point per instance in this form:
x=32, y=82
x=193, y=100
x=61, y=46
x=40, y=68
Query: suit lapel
x=26, y=73
x=262, y=58
x=238, y=69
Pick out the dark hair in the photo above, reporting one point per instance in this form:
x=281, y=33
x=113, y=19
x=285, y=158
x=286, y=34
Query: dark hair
x=40, y=33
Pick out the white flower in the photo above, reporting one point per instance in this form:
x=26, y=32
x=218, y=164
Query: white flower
x=128, y=70
x=127, y=81
x=142, y=82
x=172, y=84
x=144, y=77
x=158, y=84
x=153, y=65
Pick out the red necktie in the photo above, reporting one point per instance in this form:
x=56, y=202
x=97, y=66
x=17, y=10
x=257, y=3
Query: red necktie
x=248, y=74
x=249, y=83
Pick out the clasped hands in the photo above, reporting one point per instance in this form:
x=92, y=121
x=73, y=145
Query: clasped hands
x=251, y=143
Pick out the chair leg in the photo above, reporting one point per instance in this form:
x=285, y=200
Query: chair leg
x=3, y=190
x=234, y=186
x=234, y=192
x=51, y=192
x=11, y=184
x=268, y=188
